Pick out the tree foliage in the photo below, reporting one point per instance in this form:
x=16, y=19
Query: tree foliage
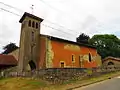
x=83, y=38
x=9, y=48
x=107, y=45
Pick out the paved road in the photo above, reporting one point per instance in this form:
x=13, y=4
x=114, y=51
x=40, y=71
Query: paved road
x=111, y=84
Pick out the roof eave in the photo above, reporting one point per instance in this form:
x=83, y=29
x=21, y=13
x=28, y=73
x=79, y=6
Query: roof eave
x=30, y=15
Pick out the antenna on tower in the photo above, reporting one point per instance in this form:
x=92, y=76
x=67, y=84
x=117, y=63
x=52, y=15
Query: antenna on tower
x=32, y=8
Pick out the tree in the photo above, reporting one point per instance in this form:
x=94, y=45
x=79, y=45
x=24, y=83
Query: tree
x=107, y=45
x=9, y=48
x=83, y=38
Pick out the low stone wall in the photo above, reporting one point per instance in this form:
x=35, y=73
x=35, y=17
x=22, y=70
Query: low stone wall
x=60, y=75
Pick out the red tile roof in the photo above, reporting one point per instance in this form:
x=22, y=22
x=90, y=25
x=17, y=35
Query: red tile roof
x=7, y=60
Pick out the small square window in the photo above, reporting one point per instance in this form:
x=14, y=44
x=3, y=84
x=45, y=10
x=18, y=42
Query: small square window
x=62, y=64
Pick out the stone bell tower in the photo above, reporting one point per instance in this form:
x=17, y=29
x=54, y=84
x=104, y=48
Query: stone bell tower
x=29, y=42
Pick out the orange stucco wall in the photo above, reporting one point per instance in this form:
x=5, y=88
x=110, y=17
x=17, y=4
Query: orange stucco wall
x=42, y=59
x=60, y=53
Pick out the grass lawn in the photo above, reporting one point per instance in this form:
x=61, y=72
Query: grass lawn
x=32, y=84
x=22, y=84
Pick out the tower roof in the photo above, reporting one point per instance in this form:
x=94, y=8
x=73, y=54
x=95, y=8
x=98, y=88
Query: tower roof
x=31, y=16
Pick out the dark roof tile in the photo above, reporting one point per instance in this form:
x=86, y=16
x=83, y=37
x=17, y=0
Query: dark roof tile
x=29, y=15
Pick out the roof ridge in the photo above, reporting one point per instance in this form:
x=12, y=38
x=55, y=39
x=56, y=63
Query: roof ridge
x=112, y=57
x=66, y=40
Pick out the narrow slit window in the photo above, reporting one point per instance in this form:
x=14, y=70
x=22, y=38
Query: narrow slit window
x=73, y=58
x=90, y=57
x=36, y=25
x=33, y=24
x=29, y=23
x=32, y=36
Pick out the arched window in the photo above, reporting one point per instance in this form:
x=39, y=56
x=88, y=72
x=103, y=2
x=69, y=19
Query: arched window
x=36, y=25
x=29, y=23
x=90, y=57
x=33, y=24
x=110, y=63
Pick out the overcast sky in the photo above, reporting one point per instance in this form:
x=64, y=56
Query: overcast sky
x=62, y=18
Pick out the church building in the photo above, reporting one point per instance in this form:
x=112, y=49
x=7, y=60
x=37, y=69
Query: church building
x=37, y=51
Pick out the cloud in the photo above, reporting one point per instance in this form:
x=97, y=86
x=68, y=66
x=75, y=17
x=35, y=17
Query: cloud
x=88, y=16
